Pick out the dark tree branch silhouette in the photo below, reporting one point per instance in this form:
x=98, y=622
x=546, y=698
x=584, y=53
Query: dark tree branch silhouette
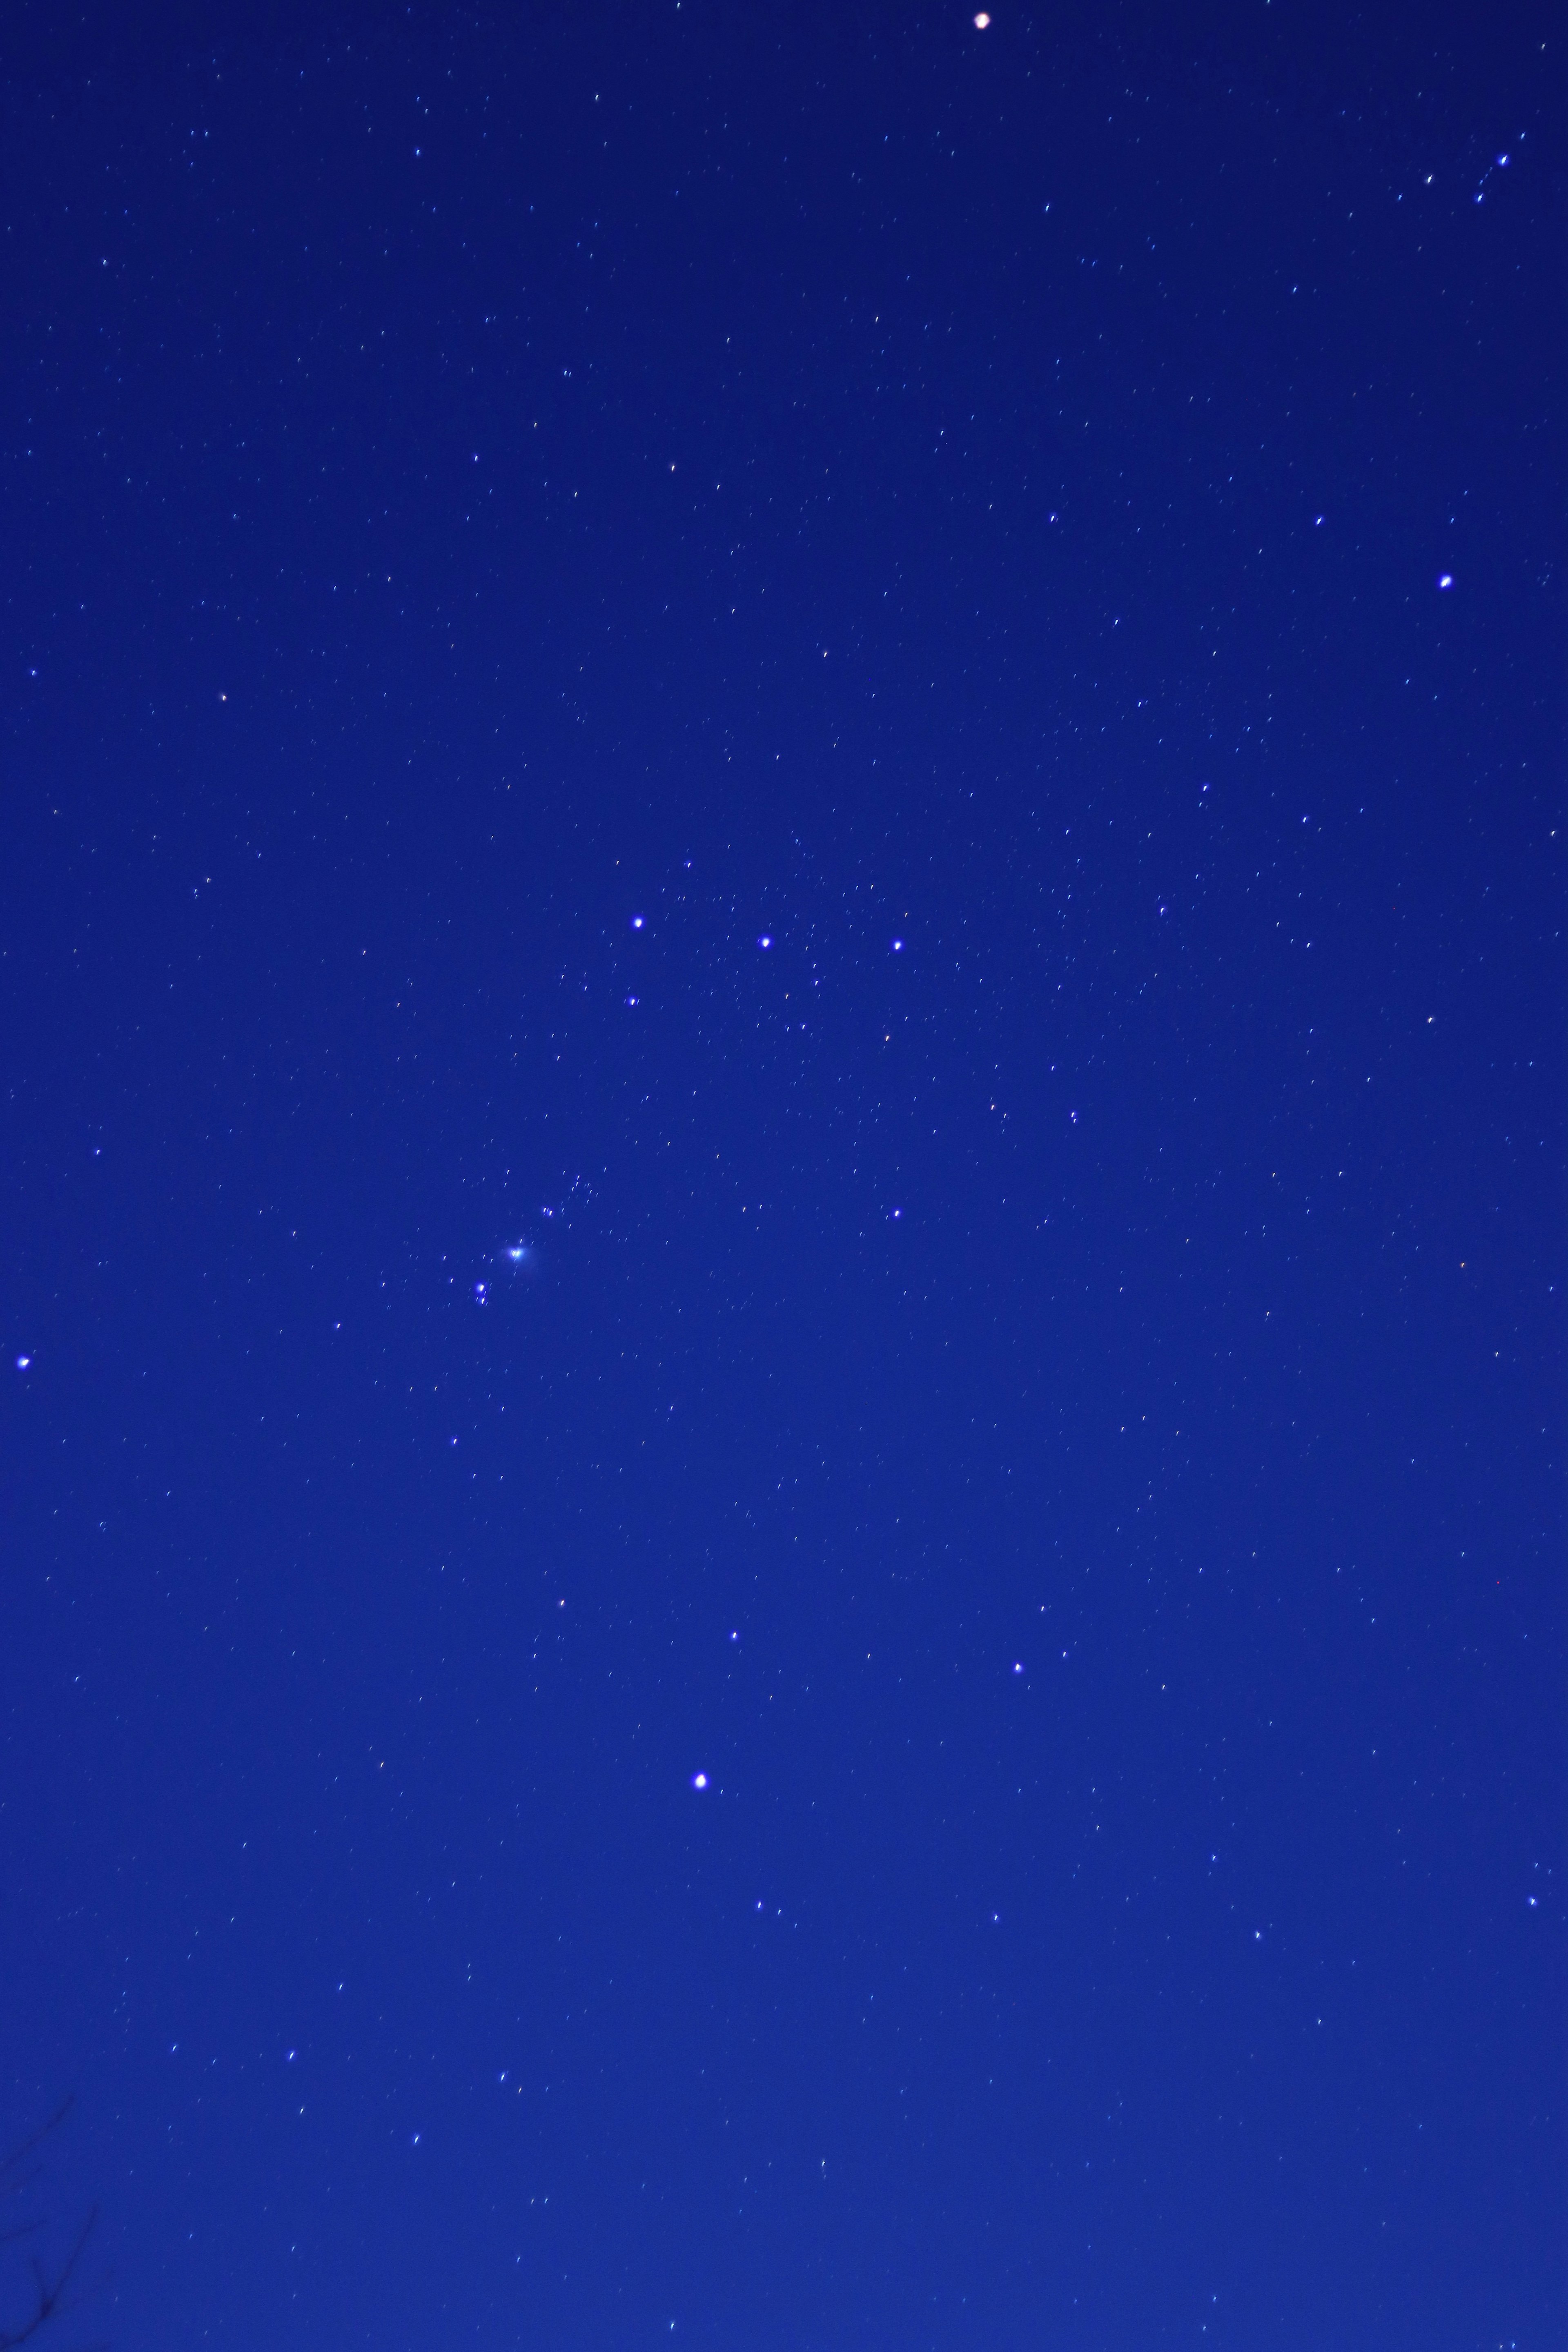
x=32, y=2289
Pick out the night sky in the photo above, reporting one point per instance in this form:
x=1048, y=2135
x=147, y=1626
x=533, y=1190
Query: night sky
x=781, y=928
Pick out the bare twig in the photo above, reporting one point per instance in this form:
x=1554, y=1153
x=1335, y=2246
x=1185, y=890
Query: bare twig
x=49, y=2284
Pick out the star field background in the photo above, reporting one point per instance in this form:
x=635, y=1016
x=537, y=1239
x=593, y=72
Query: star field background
x=1057, y=1421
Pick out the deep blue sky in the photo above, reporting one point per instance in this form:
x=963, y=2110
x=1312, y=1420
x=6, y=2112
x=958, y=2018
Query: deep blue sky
x=1058, y=1420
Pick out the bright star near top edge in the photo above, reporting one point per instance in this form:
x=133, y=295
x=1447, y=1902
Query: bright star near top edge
x=982, y=21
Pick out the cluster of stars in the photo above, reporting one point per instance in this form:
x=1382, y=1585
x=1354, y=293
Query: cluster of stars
x=1498, y=163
